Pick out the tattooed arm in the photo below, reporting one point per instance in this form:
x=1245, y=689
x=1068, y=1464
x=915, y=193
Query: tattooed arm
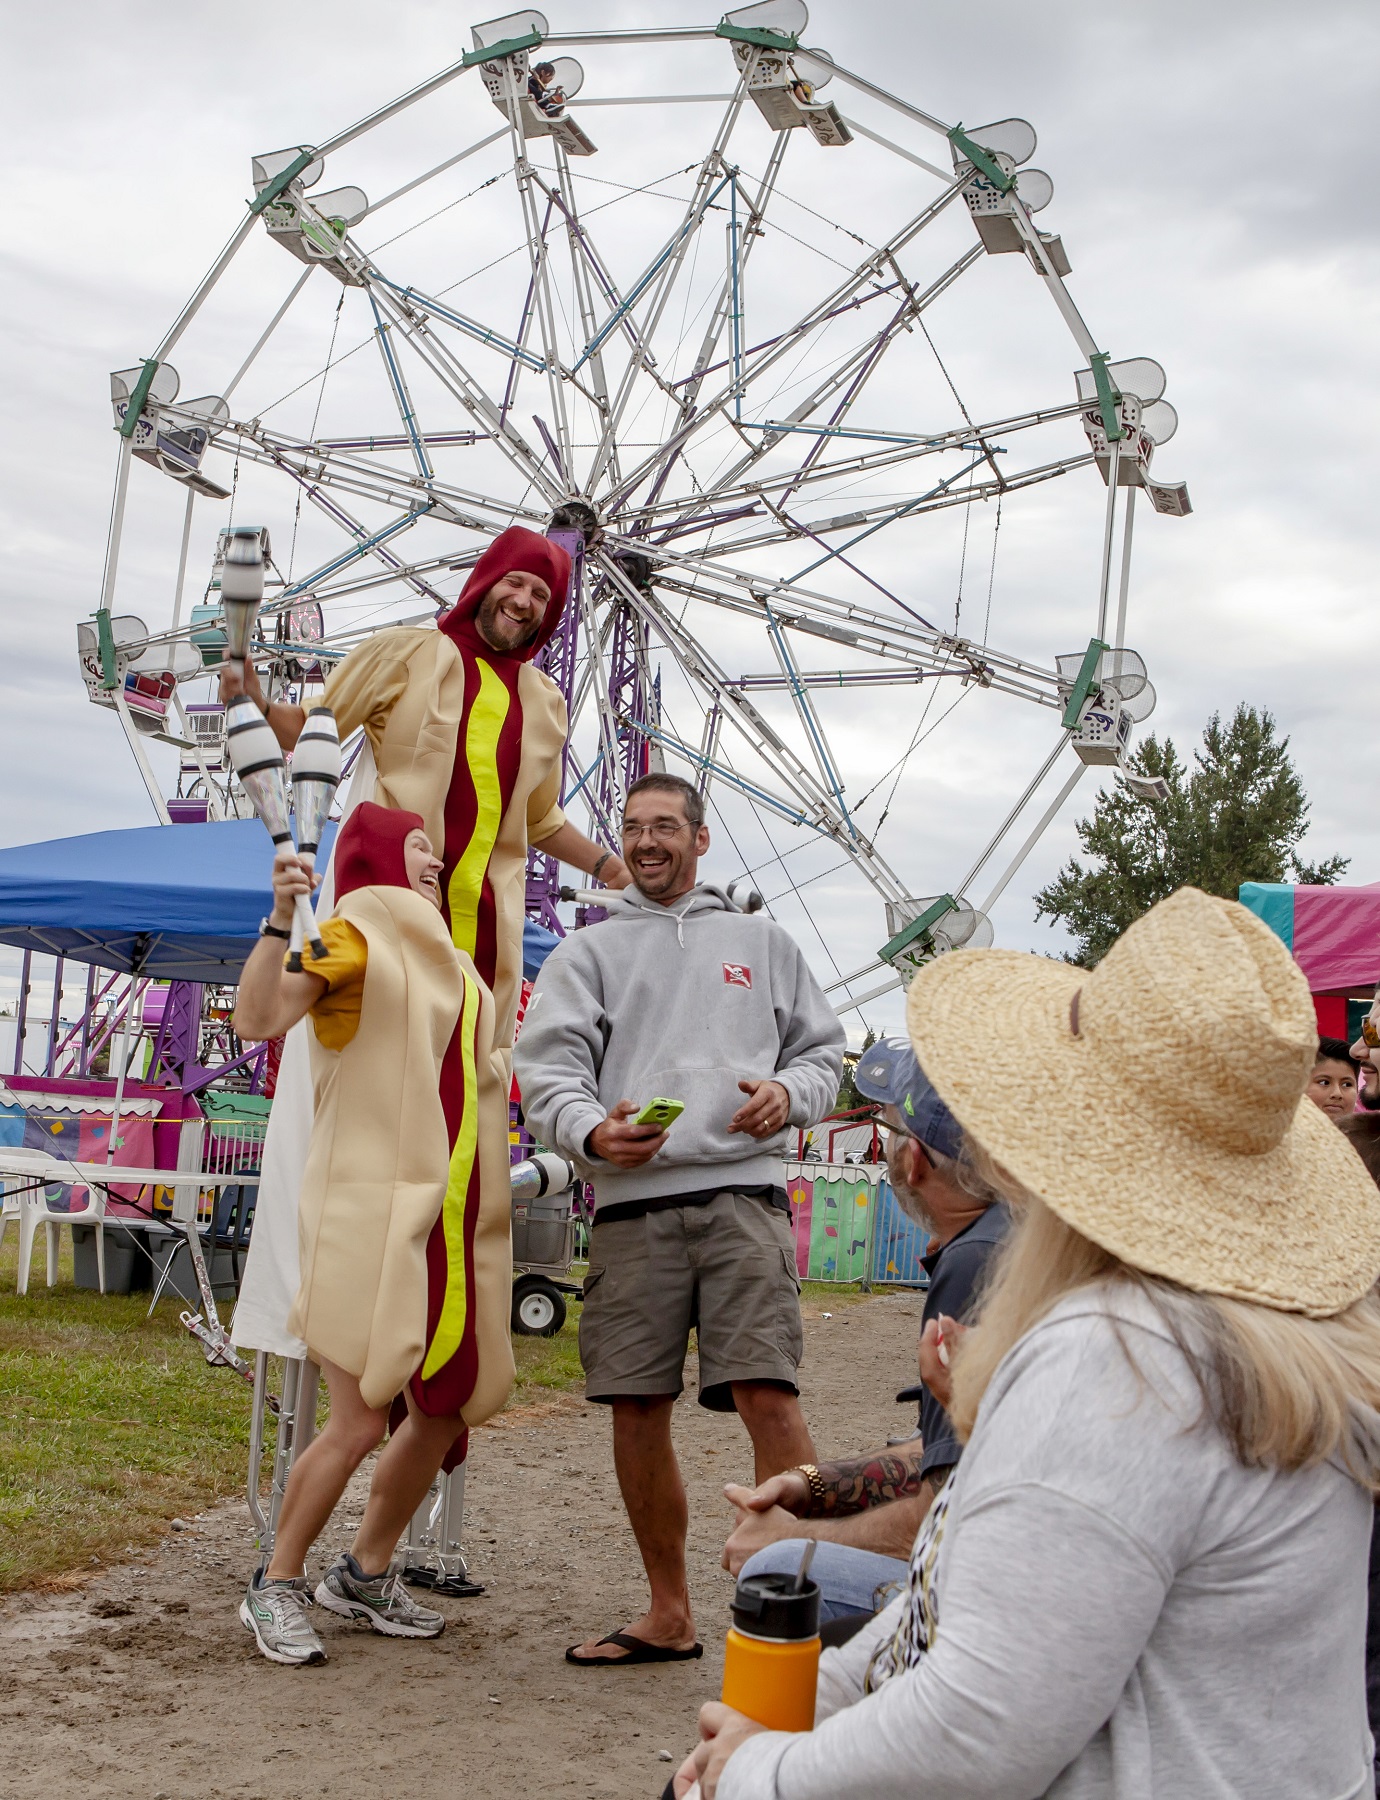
x=852, y=1487
x=873, y=1503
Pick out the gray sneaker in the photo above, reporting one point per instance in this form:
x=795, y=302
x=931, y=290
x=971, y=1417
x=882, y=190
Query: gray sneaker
x=276, y=1612
x=381, y=1599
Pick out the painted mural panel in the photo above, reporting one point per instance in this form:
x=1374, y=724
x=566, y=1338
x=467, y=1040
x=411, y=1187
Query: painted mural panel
x=897, y=1242
x=848, y=1226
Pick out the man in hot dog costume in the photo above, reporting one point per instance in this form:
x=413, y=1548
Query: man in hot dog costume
x=391, y=1150
x=464, y=731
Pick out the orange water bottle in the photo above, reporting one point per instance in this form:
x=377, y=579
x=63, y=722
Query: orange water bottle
x=771, y=1658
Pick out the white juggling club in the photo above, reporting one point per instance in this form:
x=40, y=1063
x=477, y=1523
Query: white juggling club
x=315, y=777
x=257, y=758
x=242, y=588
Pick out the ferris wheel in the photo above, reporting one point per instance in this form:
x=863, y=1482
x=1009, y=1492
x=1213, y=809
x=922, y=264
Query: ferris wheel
x=705, y=337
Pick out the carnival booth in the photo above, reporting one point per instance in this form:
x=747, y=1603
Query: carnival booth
x=147, y=1077
x=1333, y=934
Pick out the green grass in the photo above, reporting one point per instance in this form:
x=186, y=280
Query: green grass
x=111, y=1424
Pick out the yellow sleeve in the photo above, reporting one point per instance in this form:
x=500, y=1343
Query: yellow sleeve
x=347, y=955
x=335, y=1015
x=544, y=815
x=369, y=683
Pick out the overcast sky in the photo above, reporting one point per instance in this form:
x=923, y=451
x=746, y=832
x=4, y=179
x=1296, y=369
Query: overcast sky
x=1210, y=168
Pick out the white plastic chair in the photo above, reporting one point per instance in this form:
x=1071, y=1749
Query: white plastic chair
x=33, y=1170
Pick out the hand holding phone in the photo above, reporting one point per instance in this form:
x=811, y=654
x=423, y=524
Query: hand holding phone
x=659, y=1112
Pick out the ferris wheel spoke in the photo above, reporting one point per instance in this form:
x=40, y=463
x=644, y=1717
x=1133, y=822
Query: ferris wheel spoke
x=818, y=806
x=728, y=309
x=754, y=368
x=862, y=358
x=398, y=383
x=431, y=174
x=453, y=376
x=658, y=281
x=809, y=718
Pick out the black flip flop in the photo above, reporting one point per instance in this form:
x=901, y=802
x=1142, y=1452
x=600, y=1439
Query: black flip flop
x=638, y=1649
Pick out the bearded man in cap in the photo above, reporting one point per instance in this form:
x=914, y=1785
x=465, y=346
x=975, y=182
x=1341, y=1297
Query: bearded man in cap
x=864, y=1511
x=465, y=731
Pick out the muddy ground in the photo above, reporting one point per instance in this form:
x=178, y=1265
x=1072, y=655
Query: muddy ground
x=142, y=1682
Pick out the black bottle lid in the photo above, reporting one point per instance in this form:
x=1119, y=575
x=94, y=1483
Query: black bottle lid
x=771, y=1607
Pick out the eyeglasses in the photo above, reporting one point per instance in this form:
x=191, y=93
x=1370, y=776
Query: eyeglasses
x=665, y=831
x=1370, y=1033
x=905, y=1132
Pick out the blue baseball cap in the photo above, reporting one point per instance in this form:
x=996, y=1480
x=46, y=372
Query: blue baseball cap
x=889, y=1073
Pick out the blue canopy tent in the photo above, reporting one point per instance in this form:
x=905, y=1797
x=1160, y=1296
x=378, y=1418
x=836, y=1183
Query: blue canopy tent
x=173, y=902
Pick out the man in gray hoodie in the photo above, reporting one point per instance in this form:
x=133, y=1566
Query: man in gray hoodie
x=680, y=996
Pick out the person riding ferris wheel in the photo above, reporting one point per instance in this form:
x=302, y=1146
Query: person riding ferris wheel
x=703, y=383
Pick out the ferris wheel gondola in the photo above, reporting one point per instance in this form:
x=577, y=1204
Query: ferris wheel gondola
x=717, y=418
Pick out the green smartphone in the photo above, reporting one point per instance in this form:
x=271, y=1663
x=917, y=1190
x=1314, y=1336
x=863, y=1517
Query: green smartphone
x=660, y=1112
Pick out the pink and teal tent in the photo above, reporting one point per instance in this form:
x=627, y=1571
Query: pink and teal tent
x=1334, y=935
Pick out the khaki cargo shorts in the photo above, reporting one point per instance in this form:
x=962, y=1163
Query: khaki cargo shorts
x=727, y=1269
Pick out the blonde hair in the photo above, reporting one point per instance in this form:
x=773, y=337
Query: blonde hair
x=1278, y=1386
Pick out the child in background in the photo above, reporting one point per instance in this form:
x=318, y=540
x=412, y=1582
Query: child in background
x=1332, y=1085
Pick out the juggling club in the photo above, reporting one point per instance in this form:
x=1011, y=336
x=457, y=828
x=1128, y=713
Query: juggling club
x=315, y=778
x=242, y=588
x=257, y=759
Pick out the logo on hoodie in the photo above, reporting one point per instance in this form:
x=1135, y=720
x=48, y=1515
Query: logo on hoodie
x=737, y=975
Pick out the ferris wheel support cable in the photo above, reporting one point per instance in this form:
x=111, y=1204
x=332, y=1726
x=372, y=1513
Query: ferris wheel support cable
x=842, y=372
x=866, y=365
x=339, y=516
x=267, y=333
x=440, y=169
x=899, y=512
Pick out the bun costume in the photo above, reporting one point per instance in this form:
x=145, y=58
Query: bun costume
x=468, y=740
x=379, y=1171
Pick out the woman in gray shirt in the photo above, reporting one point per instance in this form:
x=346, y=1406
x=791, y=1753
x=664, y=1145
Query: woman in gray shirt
x=1147, y=1578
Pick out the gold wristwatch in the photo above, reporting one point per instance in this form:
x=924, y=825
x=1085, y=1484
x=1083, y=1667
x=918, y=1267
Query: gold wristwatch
x=814, y=1480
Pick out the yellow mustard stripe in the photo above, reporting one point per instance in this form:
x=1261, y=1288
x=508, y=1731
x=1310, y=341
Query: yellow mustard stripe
x=450, y=1327
x=487, y=715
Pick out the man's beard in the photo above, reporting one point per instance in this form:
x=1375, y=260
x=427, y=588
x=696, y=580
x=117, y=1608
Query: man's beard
x=485, y=620
x=911, y=1204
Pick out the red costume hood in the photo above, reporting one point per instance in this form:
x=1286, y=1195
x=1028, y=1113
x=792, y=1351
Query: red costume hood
x=369, y=850
x=515, y=548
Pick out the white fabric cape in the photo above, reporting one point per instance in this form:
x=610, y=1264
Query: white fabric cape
x=272, y=1270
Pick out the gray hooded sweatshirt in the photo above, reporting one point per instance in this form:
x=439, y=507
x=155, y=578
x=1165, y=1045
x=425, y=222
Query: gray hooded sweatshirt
x=682, y=1002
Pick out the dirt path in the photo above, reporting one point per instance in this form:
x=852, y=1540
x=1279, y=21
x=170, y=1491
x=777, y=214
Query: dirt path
x=144, y=1683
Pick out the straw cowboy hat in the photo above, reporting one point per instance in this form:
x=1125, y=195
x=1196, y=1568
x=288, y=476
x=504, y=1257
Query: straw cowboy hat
x=1156, y=1103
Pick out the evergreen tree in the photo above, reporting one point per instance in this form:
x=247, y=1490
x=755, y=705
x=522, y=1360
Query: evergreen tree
x=1237, y=815
x=849, y=1099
